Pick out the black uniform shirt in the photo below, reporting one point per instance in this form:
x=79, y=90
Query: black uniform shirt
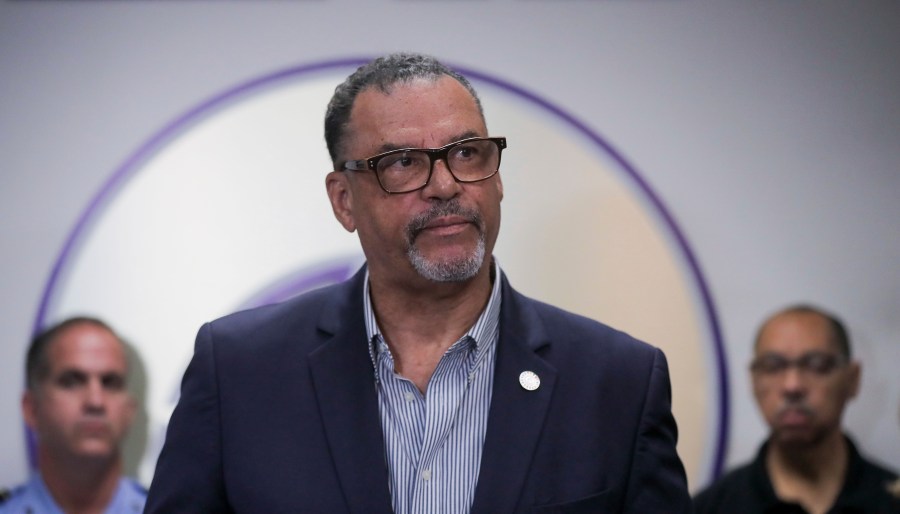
x=748, y=490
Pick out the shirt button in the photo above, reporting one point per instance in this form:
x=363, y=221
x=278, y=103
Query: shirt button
x=410, y=397
x=426, y=475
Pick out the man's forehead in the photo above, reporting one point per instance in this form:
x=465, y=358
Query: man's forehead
x=423, y=115
x=446, y=91
x=796, y=333
x=86, y=345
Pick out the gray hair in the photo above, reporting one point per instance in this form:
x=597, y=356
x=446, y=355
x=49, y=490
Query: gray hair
x=382, y=73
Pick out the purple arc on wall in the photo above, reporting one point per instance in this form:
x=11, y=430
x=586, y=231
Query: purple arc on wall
x=133, y=164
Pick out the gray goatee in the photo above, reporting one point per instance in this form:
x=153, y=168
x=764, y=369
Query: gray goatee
x=447, y=270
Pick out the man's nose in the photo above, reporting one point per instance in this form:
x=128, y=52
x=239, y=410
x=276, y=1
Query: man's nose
x=442, y=183
x=95, y=395
x=793, y=382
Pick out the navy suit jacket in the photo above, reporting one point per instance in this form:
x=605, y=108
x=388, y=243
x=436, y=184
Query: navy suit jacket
x=279, y=414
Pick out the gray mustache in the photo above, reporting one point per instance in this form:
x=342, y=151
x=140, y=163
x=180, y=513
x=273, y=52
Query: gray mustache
x=449, y=208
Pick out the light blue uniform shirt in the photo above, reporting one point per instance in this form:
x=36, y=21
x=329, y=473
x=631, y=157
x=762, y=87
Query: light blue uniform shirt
x=34, y=498
x=433, y=442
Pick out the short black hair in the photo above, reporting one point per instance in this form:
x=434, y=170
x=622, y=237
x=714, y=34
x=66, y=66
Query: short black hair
x=37, y=363
x=382, y=73
x=839, y=333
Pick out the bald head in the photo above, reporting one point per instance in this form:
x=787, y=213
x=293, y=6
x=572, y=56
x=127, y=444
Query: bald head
x=837, y=334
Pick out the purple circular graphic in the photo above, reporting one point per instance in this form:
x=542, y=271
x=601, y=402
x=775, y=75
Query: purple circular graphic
x=298, y=282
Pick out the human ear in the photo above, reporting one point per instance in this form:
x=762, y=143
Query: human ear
x=131, y=408
x=341, y=197
x=854, y=374
x=28, y=409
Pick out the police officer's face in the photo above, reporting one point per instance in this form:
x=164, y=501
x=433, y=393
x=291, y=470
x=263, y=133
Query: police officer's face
x=83, y=407
x=802, y=403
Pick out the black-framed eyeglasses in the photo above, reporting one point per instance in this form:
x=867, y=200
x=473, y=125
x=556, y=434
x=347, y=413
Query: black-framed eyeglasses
x=817, y=364
x=409, y=169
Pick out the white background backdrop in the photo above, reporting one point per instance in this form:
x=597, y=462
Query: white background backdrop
x=770, y=130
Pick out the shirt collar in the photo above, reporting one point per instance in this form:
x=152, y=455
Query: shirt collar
x=481, y=333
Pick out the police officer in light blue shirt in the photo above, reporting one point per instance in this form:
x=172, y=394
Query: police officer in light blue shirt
x=79, y=408
x=34, y=498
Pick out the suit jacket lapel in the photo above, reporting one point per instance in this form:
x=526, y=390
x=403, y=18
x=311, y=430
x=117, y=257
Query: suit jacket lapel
x=342, y=377
x=517, y=415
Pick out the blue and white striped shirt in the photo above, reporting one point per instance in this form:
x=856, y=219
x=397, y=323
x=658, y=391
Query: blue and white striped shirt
x=433, y=442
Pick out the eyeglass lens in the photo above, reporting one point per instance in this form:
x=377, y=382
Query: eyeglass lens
x=813, y=363
x=469, y=161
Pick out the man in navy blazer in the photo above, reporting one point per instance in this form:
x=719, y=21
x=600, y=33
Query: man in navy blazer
x=425, y=383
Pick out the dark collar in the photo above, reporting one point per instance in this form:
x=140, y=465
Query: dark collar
x=852, y=497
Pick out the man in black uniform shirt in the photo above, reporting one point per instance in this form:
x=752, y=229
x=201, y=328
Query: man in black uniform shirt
x=803, y=376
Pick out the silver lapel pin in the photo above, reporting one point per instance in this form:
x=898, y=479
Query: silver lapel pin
x=529, y=380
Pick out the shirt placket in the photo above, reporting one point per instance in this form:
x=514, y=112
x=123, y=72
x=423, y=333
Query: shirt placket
x=405, y=408
x=443, y=400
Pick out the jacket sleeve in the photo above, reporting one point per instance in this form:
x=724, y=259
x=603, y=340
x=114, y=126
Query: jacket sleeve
x=189, y=474
x=657, y=482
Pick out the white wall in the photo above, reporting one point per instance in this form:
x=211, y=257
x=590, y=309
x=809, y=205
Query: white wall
x=770, y=130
